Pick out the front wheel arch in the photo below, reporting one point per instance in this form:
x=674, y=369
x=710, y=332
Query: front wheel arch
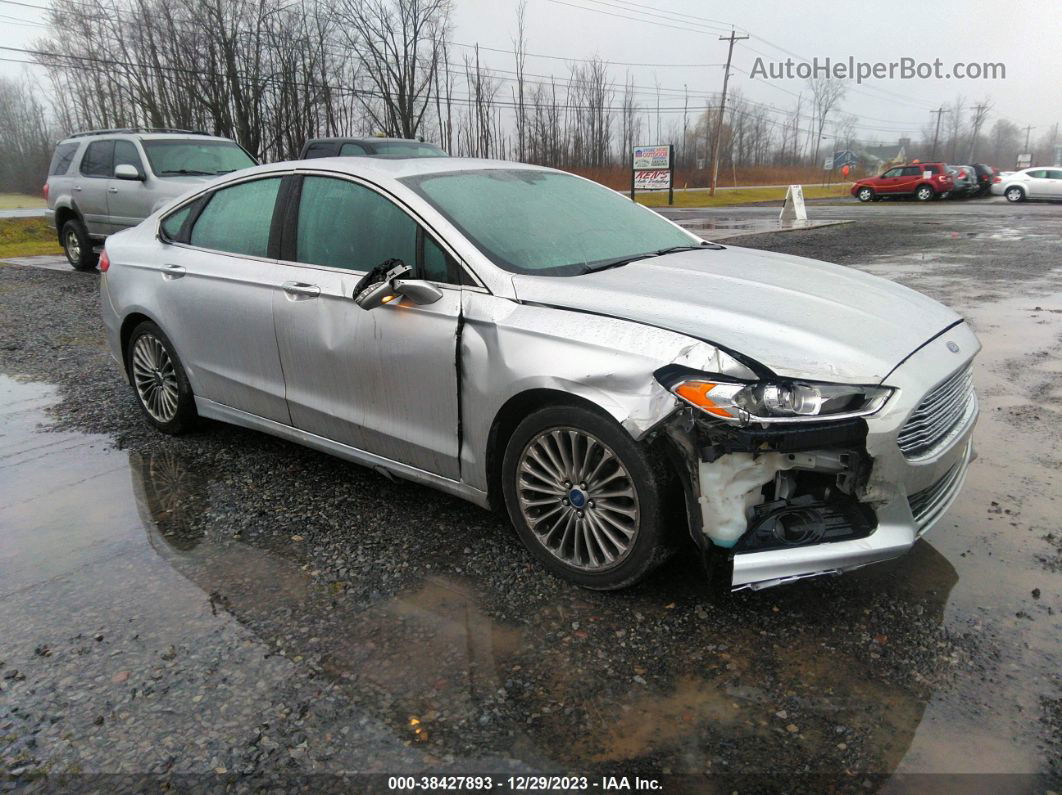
x=509, y=416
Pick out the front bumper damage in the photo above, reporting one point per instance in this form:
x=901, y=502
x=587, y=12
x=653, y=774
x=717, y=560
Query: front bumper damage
x=781, y=503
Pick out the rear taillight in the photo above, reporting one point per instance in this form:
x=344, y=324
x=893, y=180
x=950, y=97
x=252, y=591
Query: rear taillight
x=105, y=261
x=997, y=179
x=44, y=191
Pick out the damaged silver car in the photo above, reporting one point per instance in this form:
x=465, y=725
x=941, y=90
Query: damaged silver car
x=529, y=340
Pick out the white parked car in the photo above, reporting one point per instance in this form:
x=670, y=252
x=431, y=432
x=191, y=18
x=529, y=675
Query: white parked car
x=1030, y=183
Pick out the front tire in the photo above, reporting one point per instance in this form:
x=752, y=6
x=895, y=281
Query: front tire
x=159, y=381
x=865, y=195
x=924, y=193
x=77, y=245
x=1015, y=194
x=586, y=499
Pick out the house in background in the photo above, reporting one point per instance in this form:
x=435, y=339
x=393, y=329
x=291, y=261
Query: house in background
x=879, y=158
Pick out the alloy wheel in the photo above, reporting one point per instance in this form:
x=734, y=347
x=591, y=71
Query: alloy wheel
x=577, y=498
x=73, y=246
x=155, y=378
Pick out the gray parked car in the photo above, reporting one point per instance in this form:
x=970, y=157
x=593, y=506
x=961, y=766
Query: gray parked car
x=524, y=338
x=965, y=179
x=104, y=181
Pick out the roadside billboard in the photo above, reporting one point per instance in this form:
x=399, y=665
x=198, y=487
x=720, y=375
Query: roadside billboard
x=653, y=168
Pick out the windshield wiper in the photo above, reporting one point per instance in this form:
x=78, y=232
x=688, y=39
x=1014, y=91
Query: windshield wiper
x=187, y=172
x=616, y=263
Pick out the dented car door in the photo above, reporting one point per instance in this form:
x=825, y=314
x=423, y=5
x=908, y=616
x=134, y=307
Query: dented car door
x=383, y=381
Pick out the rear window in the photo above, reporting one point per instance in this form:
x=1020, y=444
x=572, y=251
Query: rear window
x=406, y=149
x=62, y=158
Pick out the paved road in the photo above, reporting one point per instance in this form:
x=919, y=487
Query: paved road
x=32, y=212
x=229, y=602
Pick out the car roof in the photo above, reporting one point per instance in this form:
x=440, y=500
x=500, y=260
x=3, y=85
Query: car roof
x=399, y=168
x=370, y=140
x=144, y=136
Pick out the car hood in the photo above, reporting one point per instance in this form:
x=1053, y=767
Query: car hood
x=798, y=317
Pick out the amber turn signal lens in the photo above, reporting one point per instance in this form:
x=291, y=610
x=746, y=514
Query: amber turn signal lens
x=697, y=393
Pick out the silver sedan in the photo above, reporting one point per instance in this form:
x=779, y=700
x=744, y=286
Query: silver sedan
x=531, y=341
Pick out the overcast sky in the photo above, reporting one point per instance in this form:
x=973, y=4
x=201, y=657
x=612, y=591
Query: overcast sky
x=1024, y=36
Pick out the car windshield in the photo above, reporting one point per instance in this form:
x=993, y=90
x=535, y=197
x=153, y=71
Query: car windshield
x=406, y=149
x=181, y=157
x=547, y=223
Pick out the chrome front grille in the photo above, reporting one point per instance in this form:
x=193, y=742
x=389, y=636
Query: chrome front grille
x=941, y=414
x=929, y=504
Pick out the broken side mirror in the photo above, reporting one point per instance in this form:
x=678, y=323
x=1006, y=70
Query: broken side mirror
x=383, y=284
x=418, y=291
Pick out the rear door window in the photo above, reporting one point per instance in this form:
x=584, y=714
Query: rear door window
x=237, y=219
x=98, y=160
x=61, y=159
x=1039, y=173
x=349, y=150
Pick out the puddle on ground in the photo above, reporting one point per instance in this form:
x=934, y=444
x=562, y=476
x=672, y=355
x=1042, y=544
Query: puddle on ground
x=122, y=563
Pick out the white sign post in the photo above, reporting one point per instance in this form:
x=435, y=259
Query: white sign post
x=1024, y=160
x=793, y=209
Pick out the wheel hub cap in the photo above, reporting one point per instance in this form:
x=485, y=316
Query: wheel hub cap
x=578, y=499
x=155, y=378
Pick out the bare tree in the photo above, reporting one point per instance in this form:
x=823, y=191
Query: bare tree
x=399, y=44
x=520, y=51
x=825, y=94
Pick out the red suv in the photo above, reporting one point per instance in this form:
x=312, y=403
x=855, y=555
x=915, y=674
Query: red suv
x=924, y=181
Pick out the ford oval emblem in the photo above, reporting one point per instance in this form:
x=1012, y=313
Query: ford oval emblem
x=953, y=347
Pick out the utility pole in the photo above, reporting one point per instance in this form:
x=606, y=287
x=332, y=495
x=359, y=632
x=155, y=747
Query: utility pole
x=980, y=114
x=1028, y=131
x=722, y=107
x=936, y=135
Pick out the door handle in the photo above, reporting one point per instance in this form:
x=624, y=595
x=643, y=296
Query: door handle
x=173, y=271
x=296, y=289
x=112, y=190
x=77, y=187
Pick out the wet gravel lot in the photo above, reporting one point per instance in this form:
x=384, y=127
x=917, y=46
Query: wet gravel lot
x=227, y=605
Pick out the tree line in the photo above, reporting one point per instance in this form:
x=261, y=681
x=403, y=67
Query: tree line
x=272, y=73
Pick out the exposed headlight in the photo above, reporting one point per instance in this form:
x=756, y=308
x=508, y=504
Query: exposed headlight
x=782, y=401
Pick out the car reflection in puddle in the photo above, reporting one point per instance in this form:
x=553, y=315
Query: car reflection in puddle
x=569, y=684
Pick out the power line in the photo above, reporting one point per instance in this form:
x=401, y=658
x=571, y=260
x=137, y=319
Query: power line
x=588, y=60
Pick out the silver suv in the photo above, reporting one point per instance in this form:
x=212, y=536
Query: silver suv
x=104, y=181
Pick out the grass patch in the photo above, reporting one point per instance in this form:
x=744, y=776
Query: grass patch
x=25, y=237
x=20, y=201
x=726, y=198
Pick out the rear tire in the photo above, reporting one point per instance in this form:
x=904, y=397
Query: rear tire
x=158, y=379
x=924, y=193
x=586, y=500
x=1015, y=194
x=77, y=245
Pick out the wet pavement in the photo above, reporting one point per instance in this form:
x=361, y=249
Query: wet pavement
x=227, y=604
